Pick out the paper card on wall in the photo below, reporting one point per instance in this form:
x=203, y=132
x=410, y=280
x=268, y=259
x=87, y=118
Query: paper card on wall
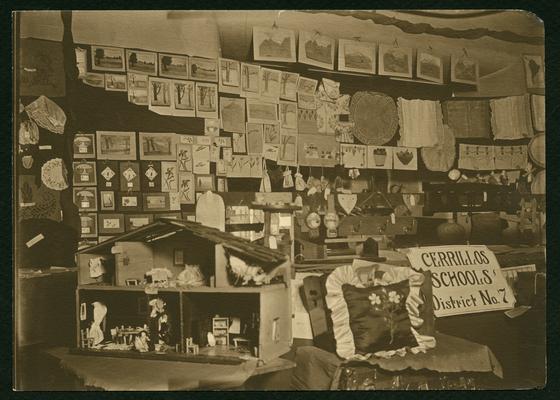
x=307, y=86
x=183, y=104
x=353, y=155
x=510, y=157
x=343, y=105
x=184, y=158
x=150, y=176
x=214, y=153
x=203, y=140
x=221, y=167
x=270, y=84
x=168, y=176
x=212, y=126
x=221, y=141
x=129, y=176
x=186, y=139
x=288, y=115
x=250, y=80
x=107, y=173
x=138, y=88
x=307, y=121
x=326, y=118
x=174, y=201
x=271, y=133
x=206, y=100
x=288, y=149
x=271, y=151
x=255, y=165
x=186, y=188
x=288, y=85
x=201, y=159
x=379, y=157
x=307, y=101
x=160, y=95
x=405, y=158
x=227, y=153
x=317, y=150
x=239, y=167
x=230, y=76
x=254, y=138
x=239, y=143
x=232, y=114
x=344, y=132
x=476, y=157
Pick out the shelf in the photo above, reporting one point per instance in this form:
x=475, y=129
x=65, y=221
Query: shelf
x=201, y=289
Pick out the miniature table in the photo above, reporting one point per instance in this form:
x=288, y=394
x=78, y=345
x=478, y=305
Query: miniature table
x=111, y=373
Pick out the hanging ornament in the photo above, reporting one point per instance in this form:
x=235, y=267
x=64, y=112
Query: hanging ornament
x=266, y=187
x=300, y=183
x=324, y=182
x=298, y=201
x=288, y=180
x=354, y=173
x=327, y=192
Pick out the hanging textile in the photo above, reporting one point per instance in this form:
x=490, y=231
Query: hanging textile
x=467, y=118
x=511, y=117
x=538, y=112
x=510, y=157
x=420, y=122
x=475, y=157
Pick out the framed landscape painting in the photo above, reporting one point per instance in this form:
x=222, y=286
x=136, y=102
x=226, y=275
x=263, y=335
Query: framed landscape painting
x=107, y=59
x=158, y=146
x=143, y=62
x=316, y=49
x=395, y=61
x=173, y=66
x=356, y=56
x=203, y=69
x=464, y=70
x=113, y=145
x=274, y=44
x=429, y=67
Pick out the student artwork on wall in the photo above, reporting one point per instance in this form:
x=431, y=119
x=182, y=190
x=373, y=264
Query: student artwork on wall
x=116, y=145
x=173, y=66
x=128, y=201
x=287, y=154
x=429, y=67
x=107, y=59
x=288, y=85
x=307, y=101
x=316, y=49
x=212, y=126
x=353, y=155
x=464, y=70
x=288, y=114
x=250, y=80
x=270, y=84
x=84, y=173
x=271, y=133
x=261, y=112
x=317, y=150
x=356, y=56
x=110, y=224
x=159, y=98
x=232, y=113
x=307, y=121
x=158, y=146
x=184, y=158
x=205, y=183
x=107, y=202
x=379, y=157
x=307, y=86
x=239, y=143
x=94, y=79
x=203, y=69
x=83, y=145
x=534, y=71
x=85, y=198
x=186, y=186
x=115, y=82
x=129, y=175
x=274, y=44
x=206, y=100
x=168, y=176
x=183, y=99
x=155, y=202
x=107, y=174
x=405, y=158
x=150, y=176
x=135, y=221
x=230, y=76
x=201, y=159
x=254, y=138
x=88, y=225
x=270, y=151
x=137, y=88
x=143, y=62
x=395, y=61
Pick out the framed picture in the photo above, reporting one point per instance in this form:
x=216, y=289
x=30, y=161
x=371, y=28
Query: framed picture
x=84, y=173
x=232, y=114
x=173, y=66
x=107, y=174
x=183, y=99
x=94, y=79
x=107, y=59
x=178, y=257
x=395, y=61
x=135, y=221
x=206, y=100
x=379, y=157
x=356, y=56
x=83, y=145
x=143, y=62
x=115, y=83
x=116, y=145
x=464, y=70
x=288, y=85
x=205, y=183
x=271, y=133
x=274, y=44
x=155, y=202
x=254, y=138
x=186, y=187
x=316, y=49
x=230, y=76
x=405, y=158
x=288, y=115
x=158, y=146
x=270, y=83
x=129, y=175
x=307, y=86
x=88, y=225
x=261, y=112
x=137, y=88
x=534, y=71
x=111, y=223
x=429, y=67
x=85, y=198
x=203, y=69
x=128, y=201
x=353, y=155
x=168, y=176
x=159, y=92
x=107, y=200
x=250, y=80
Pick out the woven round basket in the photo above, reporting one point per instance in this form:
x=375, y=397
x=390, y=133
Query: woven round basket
x=537, y=150
x=374, y=116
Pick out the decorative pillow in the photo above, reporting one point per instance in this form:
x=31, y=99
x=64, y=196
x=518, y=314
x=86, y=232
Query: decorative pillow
x=379, y=319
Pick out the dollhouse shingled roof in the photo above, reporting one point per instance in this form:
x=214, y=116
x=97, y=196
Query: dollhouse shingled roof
x=169, y=226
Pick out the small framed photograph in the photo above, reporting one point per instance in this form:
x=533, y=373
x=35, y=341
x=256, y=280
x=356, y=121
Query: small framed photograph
x=107, y=200
x=395, y=61
x=143, y=62
x=129, y=202
x=178, y=257
x=206, y=100
x=85, y=198
x=316, y=49
x=84, y=173
x=356, y=56
x=205, y=183
x=135, y=221
x=261, y=112
x=105, y=58
x=230, y=76
x=115, y=83
x=116, y=145
x=111, y=223
x=83, y=145
x=88, y=225
x=203, y=69
x=158, y=146
x=250, y=80
x=429, y=67
x=464, y=70
x=173, y=66
x=534, y=71
x=155, y=202
x=274, y=44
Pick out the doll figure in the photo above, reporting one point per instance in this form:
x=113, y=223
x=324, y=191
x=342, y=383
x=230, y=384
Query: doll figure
x=95, y=331
x=141, y=342
x=160, y=327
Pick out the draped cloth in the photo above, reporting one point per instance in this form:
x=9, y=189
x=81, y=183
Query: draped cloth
x=420, y=121
x=467, y=118
x=511, y=117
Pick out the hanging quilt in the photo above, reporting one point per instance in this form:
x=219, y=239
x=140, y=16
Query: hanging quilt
x=511, y=117
x=468, y=118
x=419, y=121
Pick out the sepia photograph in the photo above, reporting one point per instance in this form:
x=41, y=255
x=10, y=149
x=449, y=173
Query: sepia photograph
x=281, y=201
